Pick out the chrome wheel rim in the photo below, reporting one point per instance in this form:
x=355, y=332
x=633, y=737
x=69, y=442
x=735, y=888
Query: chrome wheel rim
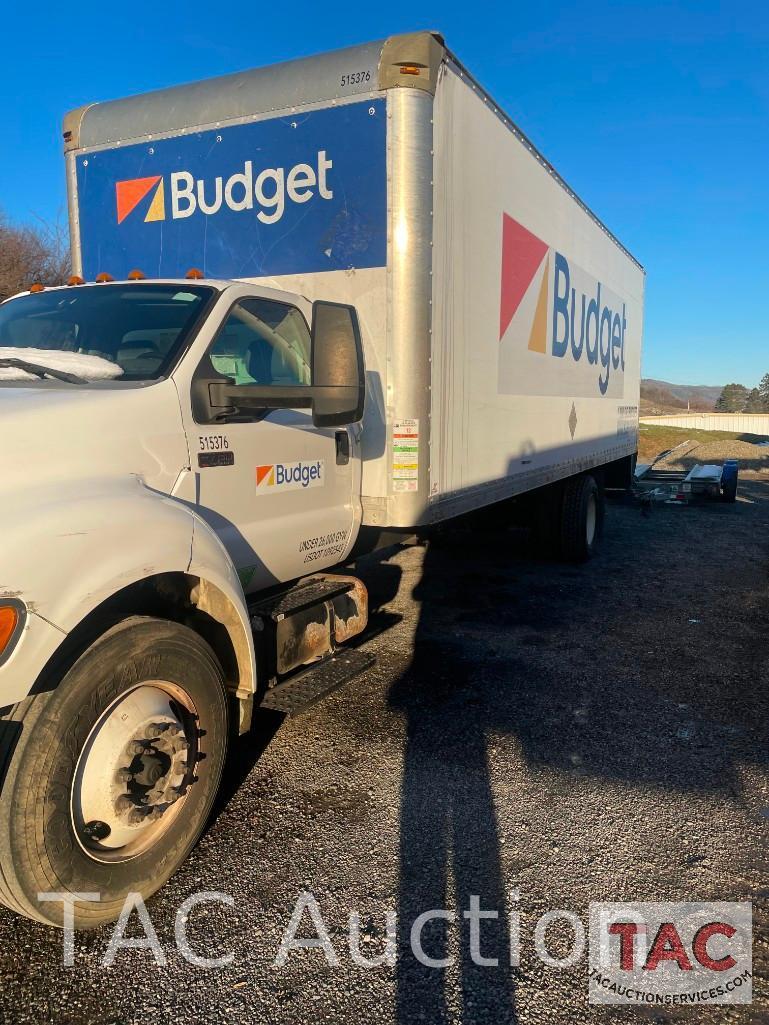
x=135, y=771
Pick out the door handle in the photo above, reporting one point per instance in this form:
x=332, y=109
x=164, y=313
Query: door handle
x=342, y=448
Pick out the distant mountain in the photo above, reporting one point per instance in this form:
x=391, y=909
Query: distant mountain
x=665, y=397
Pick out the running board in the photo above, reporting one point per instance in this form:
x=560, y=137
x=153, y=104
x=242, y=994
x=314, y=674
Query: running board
x=301, y=691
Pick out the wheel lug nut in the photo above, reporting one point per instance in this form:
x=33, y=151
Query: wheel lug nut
x=124, y=803
x=124, y=775
x=174, y=729
x=155, y=729
x=136, y=748
x=96, y=830
x=136, y=817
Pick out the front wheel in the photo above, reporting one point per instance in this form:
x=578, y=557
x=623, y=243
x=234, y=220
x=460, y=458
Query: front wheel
x=110, y=778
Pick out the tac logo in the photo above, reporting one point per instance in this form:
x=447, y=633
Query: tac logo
x=551, y=307
x=289, y=476
x=129, y=194
x=671, y=953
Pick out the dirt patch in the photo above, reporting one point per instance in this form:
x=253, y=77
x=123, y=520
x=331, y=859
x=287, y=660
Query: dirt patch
x=690, y=447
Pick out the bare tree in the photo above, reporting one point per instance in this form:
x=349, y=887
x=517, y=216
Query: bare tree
x=31, y=253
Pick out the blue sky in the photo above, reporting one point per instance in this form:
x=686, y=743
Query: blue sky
x=656, y=113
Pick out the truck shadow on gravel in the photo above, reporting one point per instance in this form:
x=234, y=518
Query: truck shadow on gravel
x=638, y=668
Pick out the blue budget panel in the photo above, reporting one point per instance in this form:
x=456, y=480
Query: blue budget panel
x=287, y=195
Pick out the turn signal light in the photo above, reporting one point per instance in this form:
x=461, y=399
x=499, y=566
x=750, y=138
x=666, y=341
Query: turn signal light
x=76, y=280
x=103, y=278
x=410, y=69
x=193, y=274
x=9, y=620
x=136, y=275
x=37, y=287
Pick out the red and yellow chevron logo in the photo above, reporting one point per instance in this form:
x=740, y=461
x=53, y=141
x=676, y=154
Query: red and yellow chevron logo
x=265, y=475
x=129, y=194
x=522, y=256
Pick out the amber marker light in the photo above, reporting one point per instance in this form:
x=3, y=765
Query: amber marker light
x=9, y=620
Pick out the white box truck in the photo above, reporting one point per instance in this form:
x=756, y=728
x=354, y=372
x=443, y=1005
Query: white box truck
x=327, y=302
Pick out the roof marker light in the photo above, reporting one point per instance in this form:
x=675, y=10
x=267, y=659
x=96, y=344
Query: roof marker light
x=193, y=274
x=136, y=275
x=103, y=278
x=37, y=287
x=75, y=280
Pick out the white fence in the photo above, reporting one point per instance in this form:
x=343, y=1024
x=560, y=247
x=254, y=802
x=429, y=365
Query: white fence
x=741, y=423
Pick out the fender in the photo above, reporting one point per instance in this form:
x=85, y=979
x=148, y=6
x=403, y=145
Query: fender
x=93, y=538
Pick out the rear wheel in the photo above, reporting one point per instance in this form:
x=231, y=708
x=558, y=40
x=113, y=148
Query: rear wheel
x=110, y=778
x=582, y=517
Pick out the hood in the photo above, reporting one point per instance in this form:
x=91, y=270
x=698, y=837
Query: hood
x=51, y=433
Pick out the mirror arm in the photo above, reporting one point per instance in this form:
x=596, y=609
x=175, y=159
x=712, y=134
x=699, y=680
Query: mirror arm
x=227, y=396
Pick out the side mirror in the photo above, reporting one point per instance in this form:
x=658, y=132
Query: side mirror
x=338, y=379
x=337, y=392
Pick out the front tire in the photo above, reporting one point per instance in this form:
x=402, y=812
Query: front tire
x=107, y=781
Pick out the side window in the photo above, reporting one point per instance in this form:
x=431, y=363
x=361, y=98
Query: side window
x=263, y=342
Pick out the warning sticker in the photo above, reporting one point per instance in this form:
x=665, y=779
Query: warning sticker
x=405, y=455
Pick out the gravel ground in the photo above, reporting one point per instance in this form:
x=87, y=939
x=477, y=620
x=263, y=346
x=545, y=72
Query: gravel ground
x=752, y=458
x=575, y=734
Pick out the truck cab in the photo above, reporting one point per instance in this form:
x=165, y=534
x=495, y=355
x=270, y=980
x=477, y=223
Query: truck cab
x=220, y=375
x=175, y=448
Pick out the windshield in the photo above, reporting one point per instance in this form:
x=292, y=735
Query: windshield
x=125, y=332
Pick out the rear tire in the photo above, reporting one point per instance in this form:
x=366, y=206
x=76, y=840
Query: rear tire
x=56, y=770
x=582, y=518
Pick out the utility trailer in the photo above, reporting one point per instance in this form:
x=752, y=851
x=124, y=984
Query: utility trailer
x=328, y=304
x=711, y=480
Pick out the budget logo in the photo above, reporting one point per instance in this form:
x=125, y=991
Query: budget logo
x=269, y=191
x=561, y=331
x=289, y=476
x=129, y=194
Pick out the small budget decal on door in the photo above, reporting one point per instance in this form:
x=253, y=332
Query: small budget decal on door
x=289, y=476
x=405, y=447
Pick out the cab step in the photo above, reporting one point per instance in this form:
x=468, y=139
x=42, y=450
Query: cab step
x=300, y=597
x=301, y=691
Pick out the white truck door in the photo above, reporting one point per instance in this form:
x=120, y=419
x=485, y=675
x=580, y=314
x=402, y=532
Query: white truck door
x=277, y=489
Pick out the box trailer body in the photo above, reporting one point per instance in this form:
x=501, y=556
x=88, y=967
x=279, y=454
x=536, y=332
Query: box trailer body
x=502, y=322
